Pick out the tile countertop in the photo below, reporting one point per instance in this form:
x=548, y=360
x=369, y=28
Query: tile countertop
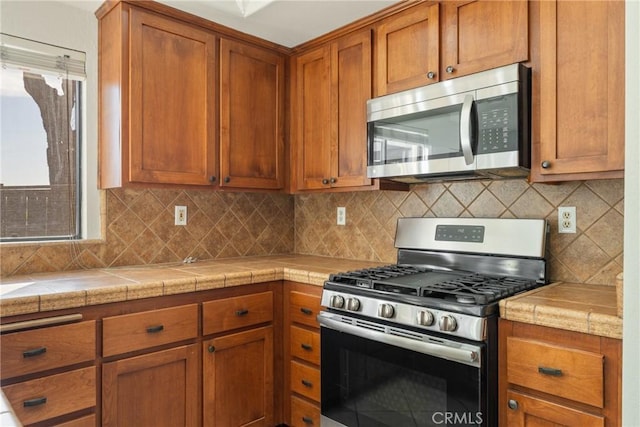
x=579, y=307
x=70, y=289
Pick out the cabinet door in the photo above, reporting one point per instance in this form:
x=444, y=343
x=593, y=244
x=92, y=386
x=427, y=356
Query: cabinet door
x=172, y=93
x=529, y=411
x=351, y=81
x=313, y=119
x=156, y=389
x=581, y=80
x=407, y=49
x=251, y=116
x=478, y=35
x=238, y=379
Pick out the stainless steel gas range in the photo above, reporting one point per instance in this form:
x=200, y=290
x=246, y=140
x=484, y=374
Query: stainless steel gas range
x=415, y=343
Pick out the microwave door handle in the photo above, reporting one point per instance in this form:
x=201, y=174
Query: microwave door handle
x=465, y=129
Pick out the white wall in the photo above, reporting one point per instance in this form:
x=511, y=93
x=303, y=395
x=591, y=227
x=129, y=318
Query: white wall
x=70, y=27
x=631, y=320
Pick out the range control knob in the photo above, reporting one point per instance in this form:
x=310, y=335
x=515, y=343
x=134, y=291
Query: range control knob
x=447, y=323
x=336, y=301
x=353, y=304
x=386, y=310
x=425, y=318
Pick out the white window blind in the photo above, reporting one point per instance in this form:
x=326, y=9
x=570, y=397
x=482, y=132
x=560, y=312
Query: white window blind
x=26, y=55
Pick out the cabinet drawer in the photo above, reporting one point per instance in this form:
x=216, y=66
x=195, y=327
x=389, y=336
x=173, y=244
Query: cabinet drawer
x=305, y=380
x=305, y=344
x=237, y=312
x=52, y=347
x=88, y=421
x=304, y=308
x=570, y=373
x=304, y=414
x=137, y=331
x=52, y=396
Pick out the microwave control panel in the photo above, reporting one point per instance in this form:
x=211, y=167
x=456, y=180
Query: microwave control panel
x=497, y=124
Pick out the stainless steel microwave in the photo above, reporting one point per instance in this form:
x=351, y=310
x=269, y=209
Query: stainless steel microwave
x=471, y=126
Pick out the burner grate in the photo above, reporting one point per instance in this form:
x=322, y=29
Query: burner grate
x=477, y=288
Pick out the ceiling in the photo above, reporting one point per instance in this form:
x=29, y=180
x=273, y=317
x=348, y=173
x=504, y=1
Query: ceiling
x=285, y=22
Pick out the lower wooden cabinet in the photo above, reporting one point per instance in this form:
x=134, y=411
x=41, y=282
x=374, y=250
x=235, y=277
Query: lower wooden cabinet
x=238, y=379
x=304, y=413
x=552, y=377
x=155, y=389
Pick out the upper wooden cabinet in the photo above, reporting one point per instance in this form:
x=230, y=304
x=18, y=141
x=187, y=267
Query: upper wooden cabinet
x=331, y=86
x=432, y=42
x=157, y=98
x=578, y=83
x=251, y=116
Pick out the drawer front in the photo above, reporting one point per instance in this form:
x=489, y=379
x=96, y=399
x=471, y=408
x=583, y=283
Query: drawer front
x=305, y=380
x=232, y=313
x=37, y=350
x=305, y=344
x=88, y=421
x=137, y=331
x=52, y=396
x=304, y=308
x=304, y=414
x=570, y=373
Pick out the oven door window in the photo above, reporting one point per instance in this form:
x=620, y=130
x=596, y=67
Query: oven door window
x=368, y=383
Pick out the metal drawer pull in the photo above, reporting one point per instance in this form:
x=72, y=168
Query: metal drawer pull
x=211, y=349
x=242, y=312
x=155, y=329
x=34, y=352
x=513, y=404
x=306, y=347
x=307, y=383
x=34, y=402
x=550, y=371
x=306, y=311
x=307, y=420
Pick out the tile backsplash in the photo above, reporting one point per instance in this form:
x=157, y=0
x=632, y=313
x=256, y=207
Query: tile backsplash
x=592, y=255
x=139, y=225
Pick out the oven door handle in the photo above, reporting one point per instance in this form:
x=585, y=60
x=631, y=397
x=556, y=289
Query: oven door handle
x=463, y=353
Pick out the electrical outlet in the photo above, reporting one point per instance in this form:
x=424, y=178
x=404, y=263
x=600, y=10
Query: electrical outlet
x=341, y=216
x=181, y=215
x=567, y=219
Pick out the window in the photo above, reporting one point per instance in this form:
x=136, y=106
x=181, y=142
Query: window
x=40, y=112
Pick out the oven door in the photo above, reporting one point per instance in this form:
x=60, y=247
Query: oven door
x=381, y=375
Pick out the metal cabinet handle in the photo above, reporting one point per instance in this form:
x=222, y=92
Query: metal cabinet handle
x=211, y=349
x=431, y=75
x=513, y=404
x=155, y=329
x=242, y=312
x=546, y=164
x=34, y=352
x=550, y=371
x=306, y=347
x=307, y=420
x=306, y=383
x=325, y=181
x=34, y=402
x=450, y=69
x=212, y=179
x=227, y=179
x=306, y=311
x=333, y=180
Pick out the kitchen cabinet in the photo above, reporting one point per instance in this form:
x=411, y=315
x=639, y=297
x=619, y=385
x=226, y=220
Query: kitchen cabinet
x=49, y=374
x=331, y=84
x=157, y=100
x=251, y=116
x=238, y=366
x=557, y=377
x=431, y=42
x=159, y=388
x=302, y=354
x=578, y=90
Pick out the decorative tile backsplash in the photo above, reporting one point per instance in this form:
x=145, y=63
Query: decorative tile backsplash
x=139, y=225
x=592, y=255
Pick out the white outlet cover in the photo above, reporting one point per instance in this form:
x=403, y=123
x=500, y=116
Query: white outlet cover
x=341, y=216
x=180, y=215
x=567, y=219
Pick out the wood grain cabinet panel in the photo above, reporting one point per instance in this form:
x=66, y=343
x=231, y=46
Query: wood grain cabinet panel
x=304, y=413
x=137, y=331
x=578, y=83
x=238, y=379
x=531, y=411
x=305, y=344
x=237, y=312
x=251, y=116
x=52, y=396
x=305, y=380
x=304, y=308
x=36, y=350
x=156, y=389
